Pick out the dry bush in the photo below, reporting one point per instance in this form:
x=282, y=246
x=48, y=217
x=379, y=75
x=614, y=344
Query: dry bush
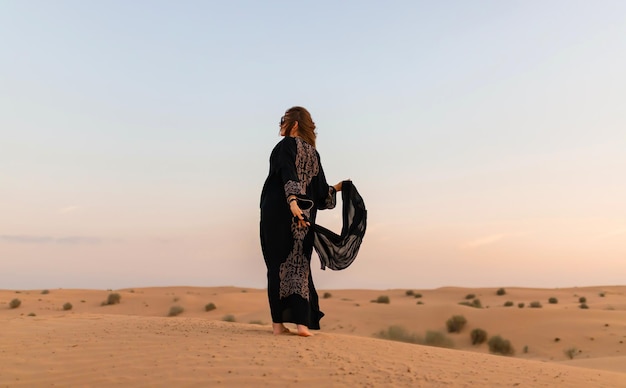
x=499, y=345
x=456, y=323
x=535, y=305
x=210, y=307
x=520, y=305
x=436, y=338
x=228, y=318
x=409, y=293
x=582, y=299
x=381, y=299
x=583, y=306
x=175, y=310
x=15, y=303
x=571, y=352
x=478, y=336
x=45, y=292
x=113, y=298
x=67, y=306
x=327, y=295
x=501, y=291
x=553, y=300
x=470, y=296
x=398, y=333
x=508, y=303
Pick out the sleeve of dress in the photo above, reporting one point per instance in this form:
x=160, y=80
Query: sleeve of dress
x=289, y=173
x=326, y=194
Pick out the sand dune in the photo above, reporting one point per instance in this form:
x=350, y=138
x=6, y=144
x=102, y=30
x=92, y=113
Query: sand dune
x=135, y=343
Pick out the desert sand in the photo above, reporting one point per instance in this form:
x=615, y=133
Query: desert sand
x=136, y=343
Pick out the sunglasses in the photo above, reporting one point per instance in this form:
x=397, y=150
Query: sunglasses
x=282, y=120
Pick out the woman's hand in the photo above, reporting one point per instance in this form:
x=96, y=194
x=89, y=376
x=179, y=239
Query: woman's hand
x=297, y=213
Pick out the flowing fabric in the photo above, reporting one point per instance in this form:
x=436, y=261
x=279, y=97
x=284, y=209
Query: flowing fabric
x=335, y=251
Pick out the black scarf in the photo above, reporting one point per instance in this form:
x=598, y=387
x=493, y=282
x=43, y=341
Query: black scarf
x=338, y=252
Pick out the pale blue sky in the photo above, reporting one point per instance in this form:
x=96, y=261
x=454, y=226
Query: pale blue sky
x=487, y=138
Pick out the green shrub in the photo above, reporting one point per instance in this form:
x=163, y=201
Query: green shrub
x=67, y=306
x=228, y=318
x=501, y=291
x=436, y=338
x=209, y=307
x=583, y=306
x=553, y=300
x=508, y=303
x=470, y=296
x=45, y=292
x=398, y=333
x=499, y=345
x=15, y=303
x=417, y=295
x=327, y=295
x=382, y=299
x=520, y=305
x=409, y=293
x=175, y=310
x=535, y=305
x=456, y=323
x=582, y=299
x=113, y=298
x=478, y=336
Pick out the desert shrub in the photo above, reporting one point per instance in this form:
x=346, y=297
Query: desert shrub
x=381, y=299
x=398, y=333
x=501, y=291
x=45, y=292
x=520, y=305
x=256, y=322
x=175, y=310
x=67, y=306
x=327, y=295
x=113, y=298
x=210, y=307
x=32, y=315
x=499, y=345
x=571, y=352
x=436, y=338
x=582, y=299
x=470, y=296
x=553, y=300
x=15, y=303
x=417, y=295
x=410, y=292
x=557, y=339
x=478, y=336
x=475, y=303
x=508, y=303
x=602, y=294
x=535, y=304
x=419, y=302
x=456, y=323
x=583, y=306
x=228, y=318
x=526, y=349
x=175, y=299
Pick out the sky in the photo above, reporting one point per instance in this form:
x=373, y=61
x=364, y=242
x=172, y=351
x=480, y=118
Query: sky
x=487, y=139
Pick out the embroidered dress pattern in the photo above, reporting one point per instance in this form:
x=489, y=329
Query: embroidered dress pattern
x=294, y=272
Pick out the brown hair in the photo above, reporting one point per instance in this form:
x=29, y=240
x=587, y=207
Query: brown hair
x=306, y=126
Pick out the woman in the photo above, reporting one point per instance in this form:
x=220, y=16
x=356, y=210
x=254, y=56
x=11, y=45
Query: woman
x=293, y=192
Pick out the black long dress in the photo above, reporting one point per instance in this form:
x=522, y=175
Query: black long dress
x=295, y=169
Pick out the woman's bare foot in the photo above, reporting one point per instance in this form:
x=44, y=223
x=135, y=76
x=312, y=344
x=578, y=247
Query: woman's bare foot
x=303, y=331
x=279, y=329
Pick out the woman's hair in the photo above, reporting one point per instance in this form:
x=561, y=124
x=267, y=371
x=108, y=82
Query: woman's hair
x=306, y=126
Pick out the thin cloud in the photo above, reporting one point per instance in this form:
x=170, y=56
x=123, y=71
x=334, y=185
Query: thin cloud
x=611, y=234
x=23, y=239
x=68, y=209
x=488, y=240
